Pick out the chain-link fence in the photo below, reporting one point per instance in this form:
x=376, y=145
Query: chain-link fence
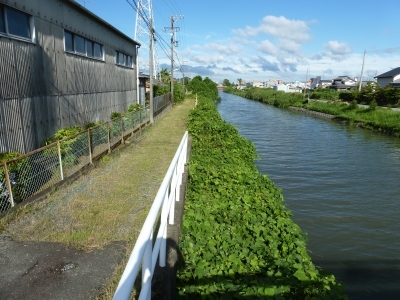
x=36, y=171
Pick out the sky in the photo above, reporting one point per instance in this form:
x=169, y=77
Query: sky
x=263, y=39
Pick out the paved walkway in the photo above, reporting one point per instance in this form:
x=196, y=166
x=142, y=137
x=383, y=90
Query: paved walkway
x=71, y=244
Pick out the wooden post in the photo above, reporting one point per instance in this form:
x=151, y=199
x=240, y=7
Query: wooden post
x=8, y=183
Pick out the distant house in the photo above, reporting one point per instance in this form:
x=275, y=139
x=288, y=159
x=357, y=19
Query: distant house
x=318, y=83
x=258, y=83
x=344, y=83
x=281, y=87
x=390, y=78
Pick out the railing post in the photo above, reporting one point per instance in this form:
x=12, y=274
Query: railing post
x=172, y=196
x=89, y=146
x=8, y=183
x=60, y=160
x=164, y=219
x=146, y=270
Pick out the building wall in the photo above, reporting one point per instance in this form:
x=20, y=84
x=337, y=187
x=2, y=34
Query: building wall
x=43, y=88
x=384, y=81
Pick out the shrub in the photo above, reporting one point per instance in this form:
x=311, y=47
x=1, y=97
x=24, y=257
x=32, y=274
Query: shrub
x=347, y=96
x=115, y=115
x=353, y=104
x=373, y=105
x=134, y=107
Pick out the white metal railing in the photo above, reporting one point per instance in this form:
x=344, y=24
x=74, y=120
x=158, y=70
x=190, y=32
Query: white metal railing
x=144, y=253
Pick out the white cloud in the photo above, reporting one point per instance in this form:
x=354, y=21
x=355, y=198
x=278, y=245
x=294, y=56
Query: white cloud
x=289, y=46
x=336, y=50
x=223, y=49
x=283, y=28
x=208, y=59
x=267, y=47
x=278, y=27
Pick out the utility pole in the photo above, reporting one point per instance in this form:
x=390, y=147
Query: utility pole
x=362, y=70
x=183, y=75
x=151, y=72
x=305, y=83
x=174, y=43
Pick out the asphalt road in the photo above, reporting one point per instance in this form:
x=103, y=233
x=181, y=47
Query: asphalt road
x=42, y=270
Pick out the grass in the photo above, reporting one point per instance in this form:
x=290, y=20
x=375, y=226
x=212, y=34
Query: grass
x=111, y=202
x=377, y=119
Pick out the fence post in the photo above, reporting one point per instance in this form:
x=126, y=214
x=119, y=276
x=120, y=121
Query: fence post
x=89, y=146
x=108, y=137
x=60, y=160
x=133, y=122
x=8, y=183
x=122, y=130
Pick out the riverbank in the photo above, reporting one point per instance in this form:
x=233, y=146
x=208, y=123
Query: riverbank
x=238, y=238
x=378, y=119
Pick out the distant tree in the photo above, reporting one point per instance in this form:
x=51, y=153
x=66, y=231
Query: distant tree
x=165, y=77
x=369, y=92
x=206, y=87
x=226, y=82
x=240, y=81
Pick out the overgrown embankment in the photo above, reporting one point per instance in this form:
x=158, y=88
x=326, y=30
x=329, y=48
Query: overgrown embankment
x=371, y=117
x=238, y=239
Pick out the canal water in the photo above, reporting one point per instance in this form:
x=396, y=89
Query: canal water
x=341, y=184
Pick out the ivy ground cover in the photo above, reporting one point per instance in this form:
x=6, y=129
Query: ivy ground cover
x=238, y=240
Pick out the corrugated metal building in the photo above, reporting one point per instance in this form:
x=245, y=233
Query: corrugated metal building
x=60, y=65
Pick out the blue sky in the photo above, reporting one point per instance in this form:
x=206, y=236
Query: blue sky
x=263, y=39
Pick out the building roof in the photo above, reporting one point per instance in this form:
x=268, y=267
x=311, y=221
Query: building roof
x=79, y=6
x=391, y=73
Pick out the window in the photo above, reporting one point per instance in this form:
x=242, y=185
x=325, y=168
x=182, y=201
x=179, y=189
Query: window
x=98, y=53
x=16, y=23
x=2, y=21
x=69, y=41
x=89, y=48
x=79, y=45
x=123, y=59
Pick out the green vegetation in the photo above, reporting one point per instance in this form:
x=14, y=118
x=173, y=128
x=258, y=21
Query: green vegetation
x=349, y=110
x=269, y=96
x=375, y=118
x=206, y=87
x=226, y=82
x=325, y=94
x=238, y=239
x=8, y=156
x=134, y=107
x=16, y=171
x=165, y=87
